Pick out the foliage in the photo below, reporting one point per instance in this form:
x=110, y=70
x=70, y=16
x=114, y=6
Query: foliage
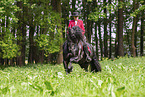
x=51, y=40
x=8, y=8
x=50, y=46
x=44, y=17
x=111, y=8
x=137, y=11
x=8, y=48
x=123, y=77
x=99, y=14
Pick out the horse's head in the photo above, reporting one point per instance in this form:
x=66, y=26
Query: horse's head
x=75, y=33
x=72, y=34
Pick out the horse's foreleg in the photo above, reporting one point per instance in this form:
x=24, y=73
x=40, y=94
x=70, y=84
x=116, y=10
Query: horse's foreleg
x=68, y=55
x=65, y=63
x=79, y=53
x=77, y=58
x=74, y=59
x=70, y=67
x=80, y=56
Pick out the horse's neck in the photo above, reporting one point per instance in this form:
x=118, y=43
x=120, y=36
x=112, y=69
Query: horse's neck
x=75, y=45
x=72, y=45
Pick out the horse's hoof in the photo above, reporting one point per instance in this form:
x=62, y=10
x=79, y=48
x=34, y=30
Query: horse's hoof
x=70, y=69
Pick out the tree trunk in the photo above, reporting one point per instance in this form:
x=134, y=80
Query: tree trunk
x=35, y=47
x=57, y=8
x=142, y=32
x=96, y=41
x=41, y=58
x=135, y=39
x=24, y=36
x=94, y=6
x=21, y=33
x=73, y=6
x=12, y=61
x=110, y=48
x=120, y=31
x=31, y=42
x=133, y=48
x=100, y=40
x=84, y=12
x=65, y=15
x=2, y=38
x=60, y=55
x=136, y=35
x=105, y=32
x=89, y=23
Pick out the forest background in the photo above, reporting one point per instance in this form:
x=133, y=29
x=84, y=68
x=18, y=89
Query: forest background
x=34, y=30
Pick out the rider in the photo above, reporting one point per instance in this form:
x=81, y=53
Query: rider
x=77, y=22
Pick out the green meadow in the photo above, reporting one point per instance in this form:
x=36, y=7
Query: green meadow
x=123, y=77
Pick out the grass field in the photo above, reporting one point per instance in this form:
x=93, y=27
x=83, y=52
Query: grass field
x=124, y=77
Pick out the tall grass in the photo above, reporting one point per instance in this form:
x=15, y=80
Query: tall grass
x=124, y=77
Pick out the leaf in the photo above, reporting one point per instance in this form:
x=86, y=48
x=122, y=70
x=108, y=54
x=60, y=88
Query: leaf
x=100, y=82
x=48, y=85
x=89, y=0
x=121, y=89
x=5, y=90
x=34, y=87
x=38, y=88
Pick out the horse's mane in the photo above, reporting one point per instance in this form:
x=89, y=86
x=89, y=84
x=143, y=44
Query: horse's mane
x=78, y=32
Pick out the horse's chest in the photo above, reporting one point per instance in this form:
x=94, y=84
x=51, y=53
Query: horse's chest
x=74, y=48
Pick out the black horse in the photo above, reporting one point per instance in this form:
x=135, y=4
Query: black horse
x=74, y=52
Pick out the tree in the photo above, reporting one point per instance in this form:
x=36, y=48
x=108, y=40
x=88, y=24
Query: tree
x=21, y=33
x=133, y=48
x=120, y=29
x=57, y=8
x=73, y=6
x=105, y=31
x=96, y=36
x=100, y=38
x=142, y=31
x=110, y=27
x=8, y=47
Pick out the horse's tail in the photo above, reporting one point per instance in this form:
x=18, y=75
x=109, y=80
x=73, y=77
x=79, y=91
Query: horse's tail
x=95, y=65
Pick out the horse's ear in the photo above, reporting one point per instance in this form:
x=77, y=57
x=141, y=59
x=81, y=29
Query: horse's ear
x=80, y=29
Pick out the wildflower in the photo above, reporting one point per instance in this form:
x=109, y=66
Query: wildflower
x=60, y=75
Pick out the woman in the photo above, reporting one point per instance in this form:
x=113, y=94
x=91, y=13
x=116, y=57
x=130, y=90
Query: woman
x=76, y=22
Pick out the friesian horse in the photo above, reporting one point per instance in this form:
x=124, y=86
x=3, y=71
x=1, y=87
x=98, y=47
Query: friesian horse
x=74, y=52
